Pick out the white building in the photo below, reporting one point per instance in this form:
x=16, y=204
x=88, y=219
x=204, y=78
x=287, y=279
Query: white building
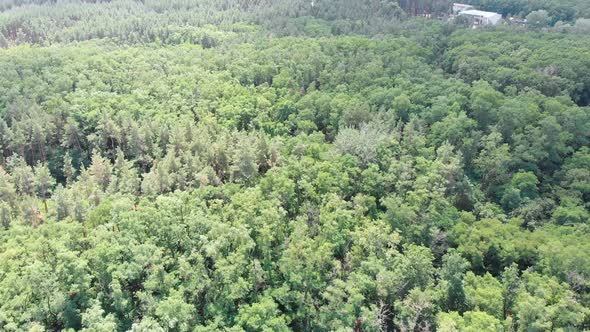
x=459, y=7
x=479, y=17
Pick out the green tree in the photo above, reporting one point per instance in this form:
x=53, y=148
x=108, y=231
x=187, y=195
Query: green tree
x=174, y=312
x=44, y=183
x=484, y=294
x=451, y=277
x=538, y=19
x=95, y=320
x=262, y=316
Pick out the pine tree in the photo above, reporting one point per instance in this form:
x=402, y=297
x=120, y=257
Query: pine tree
x=68, y=169
x=44, y=183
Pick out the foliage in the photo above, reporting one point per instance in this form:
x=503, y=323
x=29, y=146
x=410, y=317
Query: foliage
x=333, y=165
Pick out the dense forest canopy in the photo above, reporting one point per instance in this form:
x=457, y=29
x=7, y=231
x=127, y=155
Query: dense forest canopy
x=290, y=165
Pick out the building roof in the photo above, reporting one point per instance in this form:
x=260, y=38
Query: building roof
x=474, y=12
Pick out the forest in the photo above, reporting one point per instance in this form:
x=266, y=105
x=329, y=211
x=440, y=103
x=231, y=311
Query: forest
x=293, y=165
